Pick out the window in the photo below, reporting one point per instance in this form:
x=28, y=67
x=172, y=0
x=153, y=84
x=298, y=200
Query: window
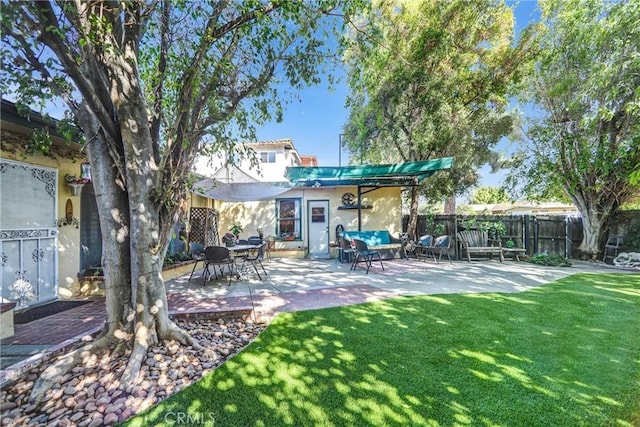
x=268, y=157
x=288, y=214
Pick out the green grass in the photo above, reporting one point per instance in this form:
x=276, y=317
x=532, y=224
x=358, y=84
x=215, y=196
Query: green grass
x=565, y=354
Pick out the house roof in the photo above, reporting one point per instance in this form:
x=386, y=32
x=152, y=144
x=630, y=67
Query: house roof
x=396, y=175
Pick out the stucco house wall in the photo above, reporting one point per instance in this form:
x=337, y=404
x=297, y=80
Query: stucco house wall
x=384, y=213
x=66, y=159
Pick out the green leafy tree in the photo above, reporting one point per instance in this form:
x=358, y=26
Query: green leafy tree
x=151, y=85
x=585, y=82
x=430, y=79
x=488, y=195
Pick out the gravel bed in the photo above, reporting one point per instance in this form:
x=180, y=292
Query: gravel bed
x=90, y=394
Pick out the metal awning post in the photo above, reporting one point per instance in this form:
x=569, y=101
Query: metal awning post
x=359, y=208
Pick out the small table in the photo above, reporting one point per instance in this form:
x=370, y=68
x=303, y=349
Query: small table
x=515, y=252
x=241, y=248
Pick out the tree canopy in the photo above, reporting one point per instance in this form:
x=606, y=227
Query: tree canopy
x=488, y=195
x=431, y=79
x=585, y=83
x=151, y=85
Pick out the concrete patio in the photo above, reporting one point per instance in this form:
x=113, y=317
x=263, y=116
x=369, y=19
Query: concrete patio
x=291, y=285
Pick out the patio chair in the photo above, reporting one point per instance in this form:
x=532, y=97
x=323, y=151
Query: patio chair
x=441, y=245
x=254, y=240
x=217, y=257
x=196, y=249
x=423, y=248
x=363, y=253
x=256, y=259
x=346, y=250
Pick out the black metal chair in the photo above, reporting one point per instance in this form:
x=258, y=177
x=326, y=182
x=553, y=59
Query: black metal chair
x=255, y=259
x=217, y=257
x=196, y=249
x=254, y=240
x=363, y=252
x=613, y=245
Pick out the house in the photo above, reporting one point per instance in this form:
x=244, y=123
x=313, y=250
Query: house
x=50, y=239
x=300, y=205
x=525, y=207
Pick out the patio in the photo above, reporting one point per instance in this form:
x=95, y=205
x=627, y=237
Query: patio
x=292, y=285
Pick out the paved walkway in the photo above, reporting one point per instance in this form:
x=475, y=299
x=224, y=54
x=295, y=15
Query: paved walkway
x=289, y=286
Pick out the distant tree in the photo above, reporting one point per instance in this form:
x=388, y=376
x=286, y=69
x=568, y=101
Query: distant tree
x=430, y=79
x=488, y=195
x=585, y=81
x=152, y=84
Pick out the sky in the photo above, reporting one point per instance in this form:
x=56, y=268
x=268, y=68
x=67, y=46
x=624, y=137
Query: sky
x=316, y=121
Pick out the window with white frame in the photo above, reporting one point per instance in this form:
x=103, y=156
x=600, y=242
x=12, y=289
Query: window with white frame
x=268, y=157
x=289, y=219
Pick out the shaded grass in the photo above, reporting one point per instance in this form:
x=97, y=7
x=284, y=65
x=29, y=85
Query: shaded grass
x=567, y=353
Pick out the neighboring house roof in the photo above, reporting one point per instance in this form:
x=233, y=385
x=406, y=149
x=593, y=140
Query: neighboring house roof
x=286, y=143
x=308, y=161
x=521, y=207
x=400, y=174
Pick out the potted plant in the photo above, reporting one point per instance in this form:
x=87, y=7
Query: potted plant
x=236, y=229
x=229, y=239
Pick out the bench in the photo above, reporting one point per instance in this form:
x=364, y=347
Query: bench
x=379, y=240
x=476, y=241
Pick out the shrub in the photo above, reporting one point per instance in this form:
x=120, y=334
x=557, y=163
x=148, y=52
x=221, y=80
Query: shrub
x=632, y=237
x=176, y=258
x=552, y=260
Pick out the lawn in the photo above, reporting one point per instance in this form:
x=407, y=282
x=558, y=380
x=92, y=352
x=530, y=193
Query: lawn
x=567, y=353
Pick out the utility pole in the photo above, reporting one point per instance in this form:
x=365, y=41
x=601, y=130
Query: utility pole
x=340, y=150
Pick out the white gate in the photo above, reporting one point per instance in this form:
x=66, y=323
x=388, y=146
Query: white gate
x=28, y=232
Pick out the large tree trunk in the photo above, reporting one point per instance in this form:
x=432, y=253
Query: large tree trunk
x=594, y=220
x=113, y=210
x=148, y=232
x=412, y=227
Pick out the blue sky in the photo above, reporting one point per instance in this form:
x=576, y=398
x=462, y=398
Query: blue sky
x=316, y=121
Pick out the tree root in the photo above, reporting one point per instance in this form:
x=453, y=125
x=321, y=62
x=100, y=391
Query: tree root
x=63, y=365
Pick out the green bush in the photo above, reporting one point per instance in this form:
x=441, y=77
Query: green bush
x=176, y=258
x=552, y=260
x=632, y=236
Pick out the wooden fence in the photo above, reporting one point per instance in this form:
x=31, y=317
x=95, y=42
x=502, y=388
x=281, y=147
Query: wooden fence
x=537, y=234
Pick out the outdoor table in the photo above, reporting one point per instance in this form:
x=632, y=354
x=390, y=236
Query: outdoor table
x=234, y=250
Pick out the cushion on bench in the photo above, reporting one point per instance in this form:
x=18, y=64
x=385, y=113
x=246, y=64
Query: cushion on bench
x=371, y=238
x=379, y=240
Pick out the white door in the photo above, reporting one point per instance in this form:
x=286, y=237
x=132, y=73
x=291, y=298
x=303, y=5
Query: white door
x=28, y=232
x=318, y=221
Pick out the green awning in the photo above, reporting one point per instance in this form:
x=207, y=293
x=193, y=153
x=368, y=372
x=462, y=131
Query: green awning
x=398, y=175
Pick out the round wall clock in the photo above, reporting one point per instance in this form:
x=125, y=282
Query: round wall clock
x=348, y=199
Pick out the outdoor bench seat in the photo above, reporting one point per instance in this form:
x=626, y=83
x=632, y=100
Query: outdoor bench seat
x=476, y=241
x=379, y=240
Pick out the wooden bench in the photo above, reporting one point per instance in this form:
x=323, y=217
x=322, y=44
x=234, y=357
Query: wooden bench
x=476, y=241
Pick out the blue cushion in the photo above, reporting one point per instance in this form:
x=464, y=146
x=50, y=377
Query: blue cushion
x=371, y=238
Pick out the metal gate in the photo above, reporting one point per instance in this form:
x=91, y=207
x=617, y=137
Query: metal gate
x=28, y=233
